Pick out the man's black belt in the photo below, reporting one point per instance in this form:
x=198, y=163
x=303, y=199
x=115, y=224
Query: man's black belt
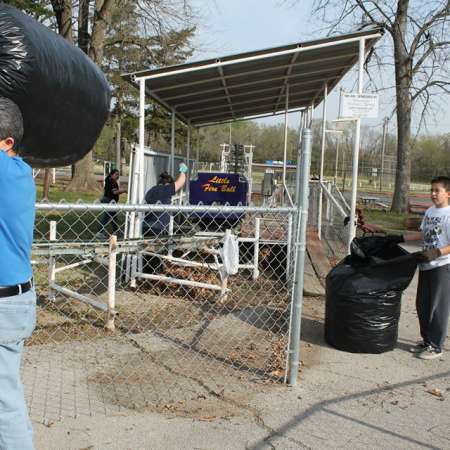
x=17, y=289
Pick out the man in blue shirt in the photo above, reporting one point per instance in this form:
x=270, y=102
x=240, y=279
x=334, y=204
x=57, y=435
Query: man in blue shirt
x=17, y=296
x=158, y=222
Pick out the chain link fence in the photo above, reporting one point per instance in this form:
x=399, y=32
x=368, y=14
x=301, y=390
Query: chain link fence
x=335, y=209
x=335, y=229
x=198, y=302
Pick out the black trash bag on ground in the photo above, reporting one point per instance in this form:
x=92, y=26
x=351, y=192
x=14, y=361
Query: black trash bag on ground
x=63, y=95
x=363, y=296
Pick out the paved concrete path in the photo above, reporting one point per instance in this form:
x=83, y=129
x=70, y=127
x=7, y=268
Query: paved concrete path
x=342, y=400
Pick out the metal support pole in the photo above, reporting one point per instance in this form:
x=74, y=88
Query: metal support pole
x=322, y=156
x=256, y=248
x=285, y=142
x=309, y=124
x=118, y=144
x=111, y=283
x=336, y=162
x=137, y=193
x=300, y=249
x=139, y=150
x=289, y=249
x=52, y=263
x=197, y=152
x=172, y=147
x=383, y=149
x=188, y=157
x=356, y=144
x=302, y=126
x=140, y=159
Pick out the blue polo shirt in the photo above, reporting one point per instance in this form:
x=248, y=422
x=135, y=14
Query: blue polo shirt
x=17, y=211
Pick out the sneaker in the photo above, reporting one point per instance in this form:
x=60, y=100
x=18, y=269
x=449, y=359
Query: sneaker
x=419, y=347
x=430, y=353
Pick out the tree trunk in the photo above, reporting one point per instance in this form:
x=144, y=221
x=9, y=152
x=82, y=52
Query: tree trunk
x=83, y=38
x=84, y=178
x=102, y=18
x=403, y=78
x=83, y=26
x=63, y=14
x=46, y=184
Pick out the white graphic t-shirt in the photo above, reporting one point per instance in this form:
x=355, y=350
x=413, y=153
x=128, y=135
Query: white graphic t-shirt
x=436, y=234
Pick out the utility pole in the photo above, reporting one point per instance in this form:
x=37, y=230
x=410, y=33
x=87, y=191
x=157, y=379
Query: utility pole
x=383, y=149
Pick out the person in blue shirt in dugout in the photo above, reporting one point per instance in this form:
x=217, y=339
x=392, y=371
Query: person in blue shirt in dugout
x=17, y=295
x=156, y=223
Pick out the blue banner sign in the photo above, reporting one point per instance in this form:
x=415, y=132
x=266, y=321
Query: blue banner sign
x=218, y=188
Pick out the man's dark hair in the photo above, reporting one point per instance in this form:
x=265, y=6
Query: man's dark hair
x=445, y=181
x=165, y=178
x=11, y=121
x=110, y=174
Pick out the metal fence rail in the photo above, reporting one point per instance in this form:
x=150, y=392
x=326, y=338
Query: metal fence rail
x=129, y=319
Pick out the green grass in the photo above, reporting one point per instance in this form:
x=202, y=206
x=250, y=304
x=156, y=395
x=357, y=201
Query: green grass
x=56, y=195
x=71, y=225
x=74, y=226
x=389, y=221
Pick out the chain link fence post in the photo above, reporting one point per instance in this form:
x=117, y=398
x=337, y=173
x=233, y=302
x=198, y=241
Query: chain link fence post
x=300, y=248
x=112, y=262
x=51, y=262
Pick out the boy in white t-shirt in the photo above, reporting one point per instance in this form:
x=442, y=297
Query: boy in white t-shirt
x=433, y=290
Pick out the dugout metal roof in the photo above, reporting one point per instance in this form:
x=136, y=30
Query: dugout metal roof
x=254, y=83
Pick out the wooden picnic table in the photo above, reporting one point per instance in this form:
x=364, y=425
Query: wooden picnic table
x=369, y=200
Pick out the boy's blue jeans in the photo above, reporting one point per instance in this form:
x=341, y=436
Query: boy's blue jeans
x=17, y=322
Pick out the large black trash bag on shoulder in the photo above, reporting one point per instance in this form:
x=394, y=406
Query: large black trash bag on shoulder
x=63, y=96
x=363, y=296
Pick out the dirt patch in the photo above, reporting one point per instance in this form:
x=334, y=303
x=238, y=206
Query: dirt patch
x=159, y=376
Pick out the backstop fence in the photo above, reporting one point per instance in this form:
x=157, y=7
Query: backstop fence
x=131, y=322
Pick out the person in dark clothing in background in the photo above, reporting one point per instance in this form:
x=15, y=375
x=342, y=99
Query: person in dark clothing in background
x=158, y=222
x=111, y=194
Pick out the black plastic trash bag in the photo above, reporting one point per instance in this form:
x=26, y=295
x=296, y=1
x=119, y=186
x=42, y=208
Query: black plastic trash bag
x=63, y=95
x=363, y=296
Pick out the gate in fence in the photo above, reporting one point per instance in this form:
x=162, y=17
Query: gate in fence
x=330, y=224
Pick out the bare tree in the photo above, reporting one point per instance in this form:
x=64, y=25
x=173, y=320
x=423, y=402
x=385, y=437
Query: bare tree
x=418, y=52
x=159, y=15
x=63, y=15
x=83, y=174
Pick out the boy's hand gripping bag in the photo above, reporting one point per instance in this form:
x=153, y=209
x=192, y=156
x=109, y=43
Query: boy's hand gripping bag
x=63, y=95
x=363, y=296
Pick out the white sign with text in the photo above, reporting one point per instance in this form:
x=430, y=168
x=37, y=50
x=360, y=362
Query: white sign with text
x=360, y=105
